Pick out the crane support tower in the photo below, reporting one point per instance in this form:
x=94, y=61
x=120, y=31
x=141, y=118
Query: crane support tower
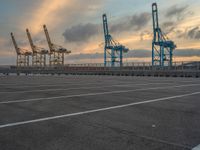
x=162, y=47
x=38, y=53
x=22, y=54
x=57, y=53
x=113, y=50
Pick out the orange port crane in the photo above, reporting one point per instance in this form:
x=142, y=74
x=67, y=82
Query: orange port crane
x=22, y=54
x=39, y=54
x=57, y=53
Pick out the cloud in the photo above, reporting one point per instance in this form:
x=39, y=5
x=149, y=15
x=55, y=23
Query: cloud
x=131, y=54
x=168, y=23
x=146, y=35
x=54, y=13
x=86, y=56
x=5, y=47
x=140, y=53
x=141, y=20
x=181, y=34
x=84, y=32
x=7, y=60
x=168, y=26
x=81, y=33
x=187, y=52
x=2, y=41
x=194, y=33
x=177, y=21
x=189, y=33
x=39, y=41
x=135, y=22
x=178, y=12
x=46, y=13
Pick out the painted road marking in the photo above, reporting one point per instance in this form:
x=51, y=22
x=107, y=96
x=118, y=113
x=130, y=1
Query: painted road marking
x=94, y=94
x=72, y=83
x=63, y=84
x=32, y=84
x=165, y=142
x=197, y=147
x=95, y=110
x=45, y=85
x=92, y=87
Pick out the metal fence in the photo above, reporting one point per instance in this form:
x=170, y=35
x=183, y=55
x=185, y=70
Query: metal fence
x=183, y=65
x=126, y=66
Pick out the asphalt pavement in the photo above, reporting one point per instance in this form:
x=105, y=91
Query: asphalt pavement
x=99, y=113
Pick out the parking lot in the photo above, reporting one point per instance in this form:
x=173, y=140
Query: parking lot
x=99, y=113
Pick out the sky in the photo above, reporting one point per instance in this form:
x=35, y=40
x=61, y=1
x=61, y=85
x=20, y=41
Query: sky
x=77, y=26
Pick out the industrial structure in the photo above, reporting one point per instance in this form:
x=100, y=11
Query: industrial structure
x=38, y=53
x=56, y=53
x=22, y=54
x=162, y=47
x=113, y=50
x=162, y=50
x=162, y=58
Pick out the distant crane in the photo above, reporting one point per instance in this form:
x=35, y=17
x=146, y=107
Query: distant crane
x=113, y=50
x=39, y=54
x=22, y=54
x=162, y=47
x=57, y=52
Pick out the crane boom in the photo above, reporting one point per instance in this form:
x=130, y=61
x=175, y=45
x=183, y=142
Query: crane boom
x=105, y=28
x=15, y=43
x=113, y=49
x=155, y=20
x=48, y=38
x=162, y=47
x=57, y=52
x=30, y=40
x=22, y=54
x=39, y=54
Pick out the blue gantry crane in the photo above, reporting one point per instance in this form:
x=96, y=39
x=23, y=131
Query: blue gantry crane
x=162, y=47
x=113, y=50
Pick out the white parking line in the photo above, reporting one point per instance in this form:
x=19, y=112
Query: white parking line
x=95, y=110
x=61, y=84
x=79, y=83
x=92, y=87
x=52, y=84
x=32, y=84
x=39, y=84
x=94, y=94
x=165, y=142
x=197, y=147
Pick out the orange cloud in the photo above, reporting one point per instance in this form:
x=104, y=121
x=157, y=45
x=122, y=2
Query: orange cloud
x=4, y=50
x=185, y=59
x=46, y=14
x=92, y=47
